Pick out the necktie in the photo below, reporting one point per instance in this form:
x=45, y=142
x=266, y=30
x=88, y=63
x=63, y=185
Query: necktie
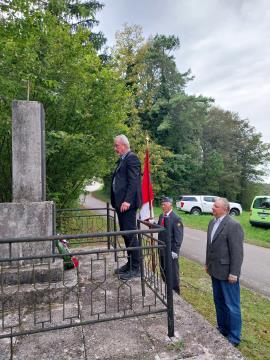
x=216, y=223
x=162, y=222
x=118, y=166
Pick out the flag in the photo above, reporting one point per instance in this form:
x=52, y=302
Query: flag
x=147, y=191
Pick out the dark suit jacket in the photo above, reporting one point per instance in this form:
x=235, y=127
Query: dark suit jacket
x=224, y=255
x=176, y=230
x=127, y=175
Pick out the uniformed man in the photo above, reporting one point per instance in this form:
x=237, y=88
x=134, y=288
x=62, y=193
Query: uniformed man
x=176, y=231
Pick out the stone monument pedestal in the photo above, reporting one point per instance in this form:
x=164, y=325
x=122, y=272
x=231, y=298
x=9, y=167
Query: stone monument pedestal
x=29, y=214
x=28, y=219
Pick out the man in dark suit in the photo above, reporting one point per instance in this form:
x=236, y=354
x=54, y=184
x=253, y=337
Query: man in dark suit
x=224, y=257
x=126, y=198
x=176, y=232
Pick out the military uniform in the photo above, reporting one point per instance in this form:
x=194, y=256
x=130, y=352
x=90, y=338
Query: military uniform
x=176, y=232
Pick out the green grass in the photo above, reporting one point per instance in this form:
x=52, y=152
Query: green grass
x=253, y=235
x=85, y=222
x=196, y=289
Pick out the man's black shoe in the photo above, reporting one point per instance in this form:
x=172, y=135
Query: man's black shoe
x=122, y=269
x=130, y=274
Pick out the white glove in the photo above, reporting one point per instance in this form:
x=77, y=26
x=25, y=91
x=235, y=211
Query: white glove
x=174, y=255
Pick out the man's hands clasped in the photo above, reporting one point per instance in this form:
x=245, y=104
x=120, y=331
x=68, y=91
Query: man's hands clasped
x=125, y=206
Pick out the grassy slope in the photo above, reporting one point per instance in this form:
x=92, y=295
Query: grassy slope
x=196, y=289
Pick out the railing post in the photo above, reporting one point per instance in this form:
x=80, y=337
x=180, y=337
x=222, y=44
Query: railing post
x=114, y=238
x=168, y=273
x=11, y=344
x=108, y=225
x=54, y=231
x=141, y=260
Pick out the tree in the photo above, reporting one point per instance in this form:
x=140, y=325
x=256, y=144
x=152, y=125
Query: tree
x=163, y=109
x=162, y=68
x=85, y=102
x=240, y=149
x=252, y=154
x=77, y=13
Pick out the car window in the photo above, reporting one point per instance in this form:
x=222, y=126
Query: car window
x=209, y=198
x=189, y=198
x=262, y=203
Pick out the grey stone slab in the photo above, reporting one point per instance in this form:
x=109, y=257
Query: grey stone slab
x=32, y=274
x=118, y=340
x=49, y=285
x=66, y=344
x=28, y=151
x=4, y=349
x=55, y=344
x=26, y=220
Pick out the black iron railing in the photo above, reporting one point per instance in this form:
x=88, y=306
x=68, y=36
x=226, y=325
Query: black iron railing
x=38, y=295
x=87, y=220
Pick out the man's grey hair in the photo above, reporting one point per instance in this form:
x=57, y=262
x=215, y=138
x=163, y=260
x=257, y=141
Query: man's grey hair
x=123, y=139
x=225, y=203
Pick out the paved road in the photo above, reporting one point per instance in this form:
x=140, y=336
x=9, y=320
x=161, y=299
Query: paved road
x=256, y=266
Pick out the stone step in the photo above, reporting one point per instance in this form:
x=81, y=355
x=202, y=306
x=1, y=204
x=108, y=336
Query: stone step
x=43, y=286
x=31, y=274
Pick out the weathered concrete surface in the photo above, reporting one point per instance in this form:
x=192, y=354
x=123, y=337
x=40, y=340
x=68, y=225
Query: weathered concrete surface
x=30, y=274
x=26, y=220
x=135, y=338
x=28, y=151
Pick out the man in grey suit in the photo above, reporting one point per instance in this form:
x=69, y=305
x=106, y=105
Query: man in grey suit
x=224, y=257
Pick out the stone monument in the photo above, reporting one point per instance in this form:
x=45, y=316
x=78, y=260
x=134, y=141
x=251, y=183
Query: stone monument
x=29, y=214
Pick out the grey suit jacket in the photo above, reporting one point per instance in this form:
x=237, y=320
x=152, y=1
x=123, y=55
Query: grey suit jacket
x=224, y=255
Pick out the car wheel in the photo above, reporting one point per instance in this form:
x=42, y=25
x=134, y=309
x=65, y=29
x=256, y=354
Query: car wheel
x=234, y=212
x=195, y=211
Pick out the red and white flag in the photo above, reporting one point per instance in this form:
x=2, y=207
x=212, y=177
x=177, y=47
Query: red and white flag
x=147, y=191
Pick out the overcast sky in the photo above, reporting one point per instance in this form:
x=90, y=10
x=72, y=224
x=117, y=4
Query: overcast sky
x=226, y=44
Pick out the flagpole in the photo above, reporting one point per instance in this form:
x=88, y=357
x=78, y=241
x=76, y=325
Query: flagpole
x=153, y=251
x=149, y=195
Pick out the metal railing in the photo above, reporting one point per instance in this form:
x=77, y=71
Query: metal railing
x=87, y=220
x=37, y=295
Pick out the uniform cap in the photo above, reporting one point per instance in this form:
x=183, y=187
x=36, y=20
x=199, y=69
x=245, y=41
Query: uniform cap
x=166, y=199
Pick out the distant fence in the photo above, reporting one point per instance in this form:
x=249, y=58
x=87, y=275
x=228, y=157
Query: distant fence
x=37, y=295
x=85, y=220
